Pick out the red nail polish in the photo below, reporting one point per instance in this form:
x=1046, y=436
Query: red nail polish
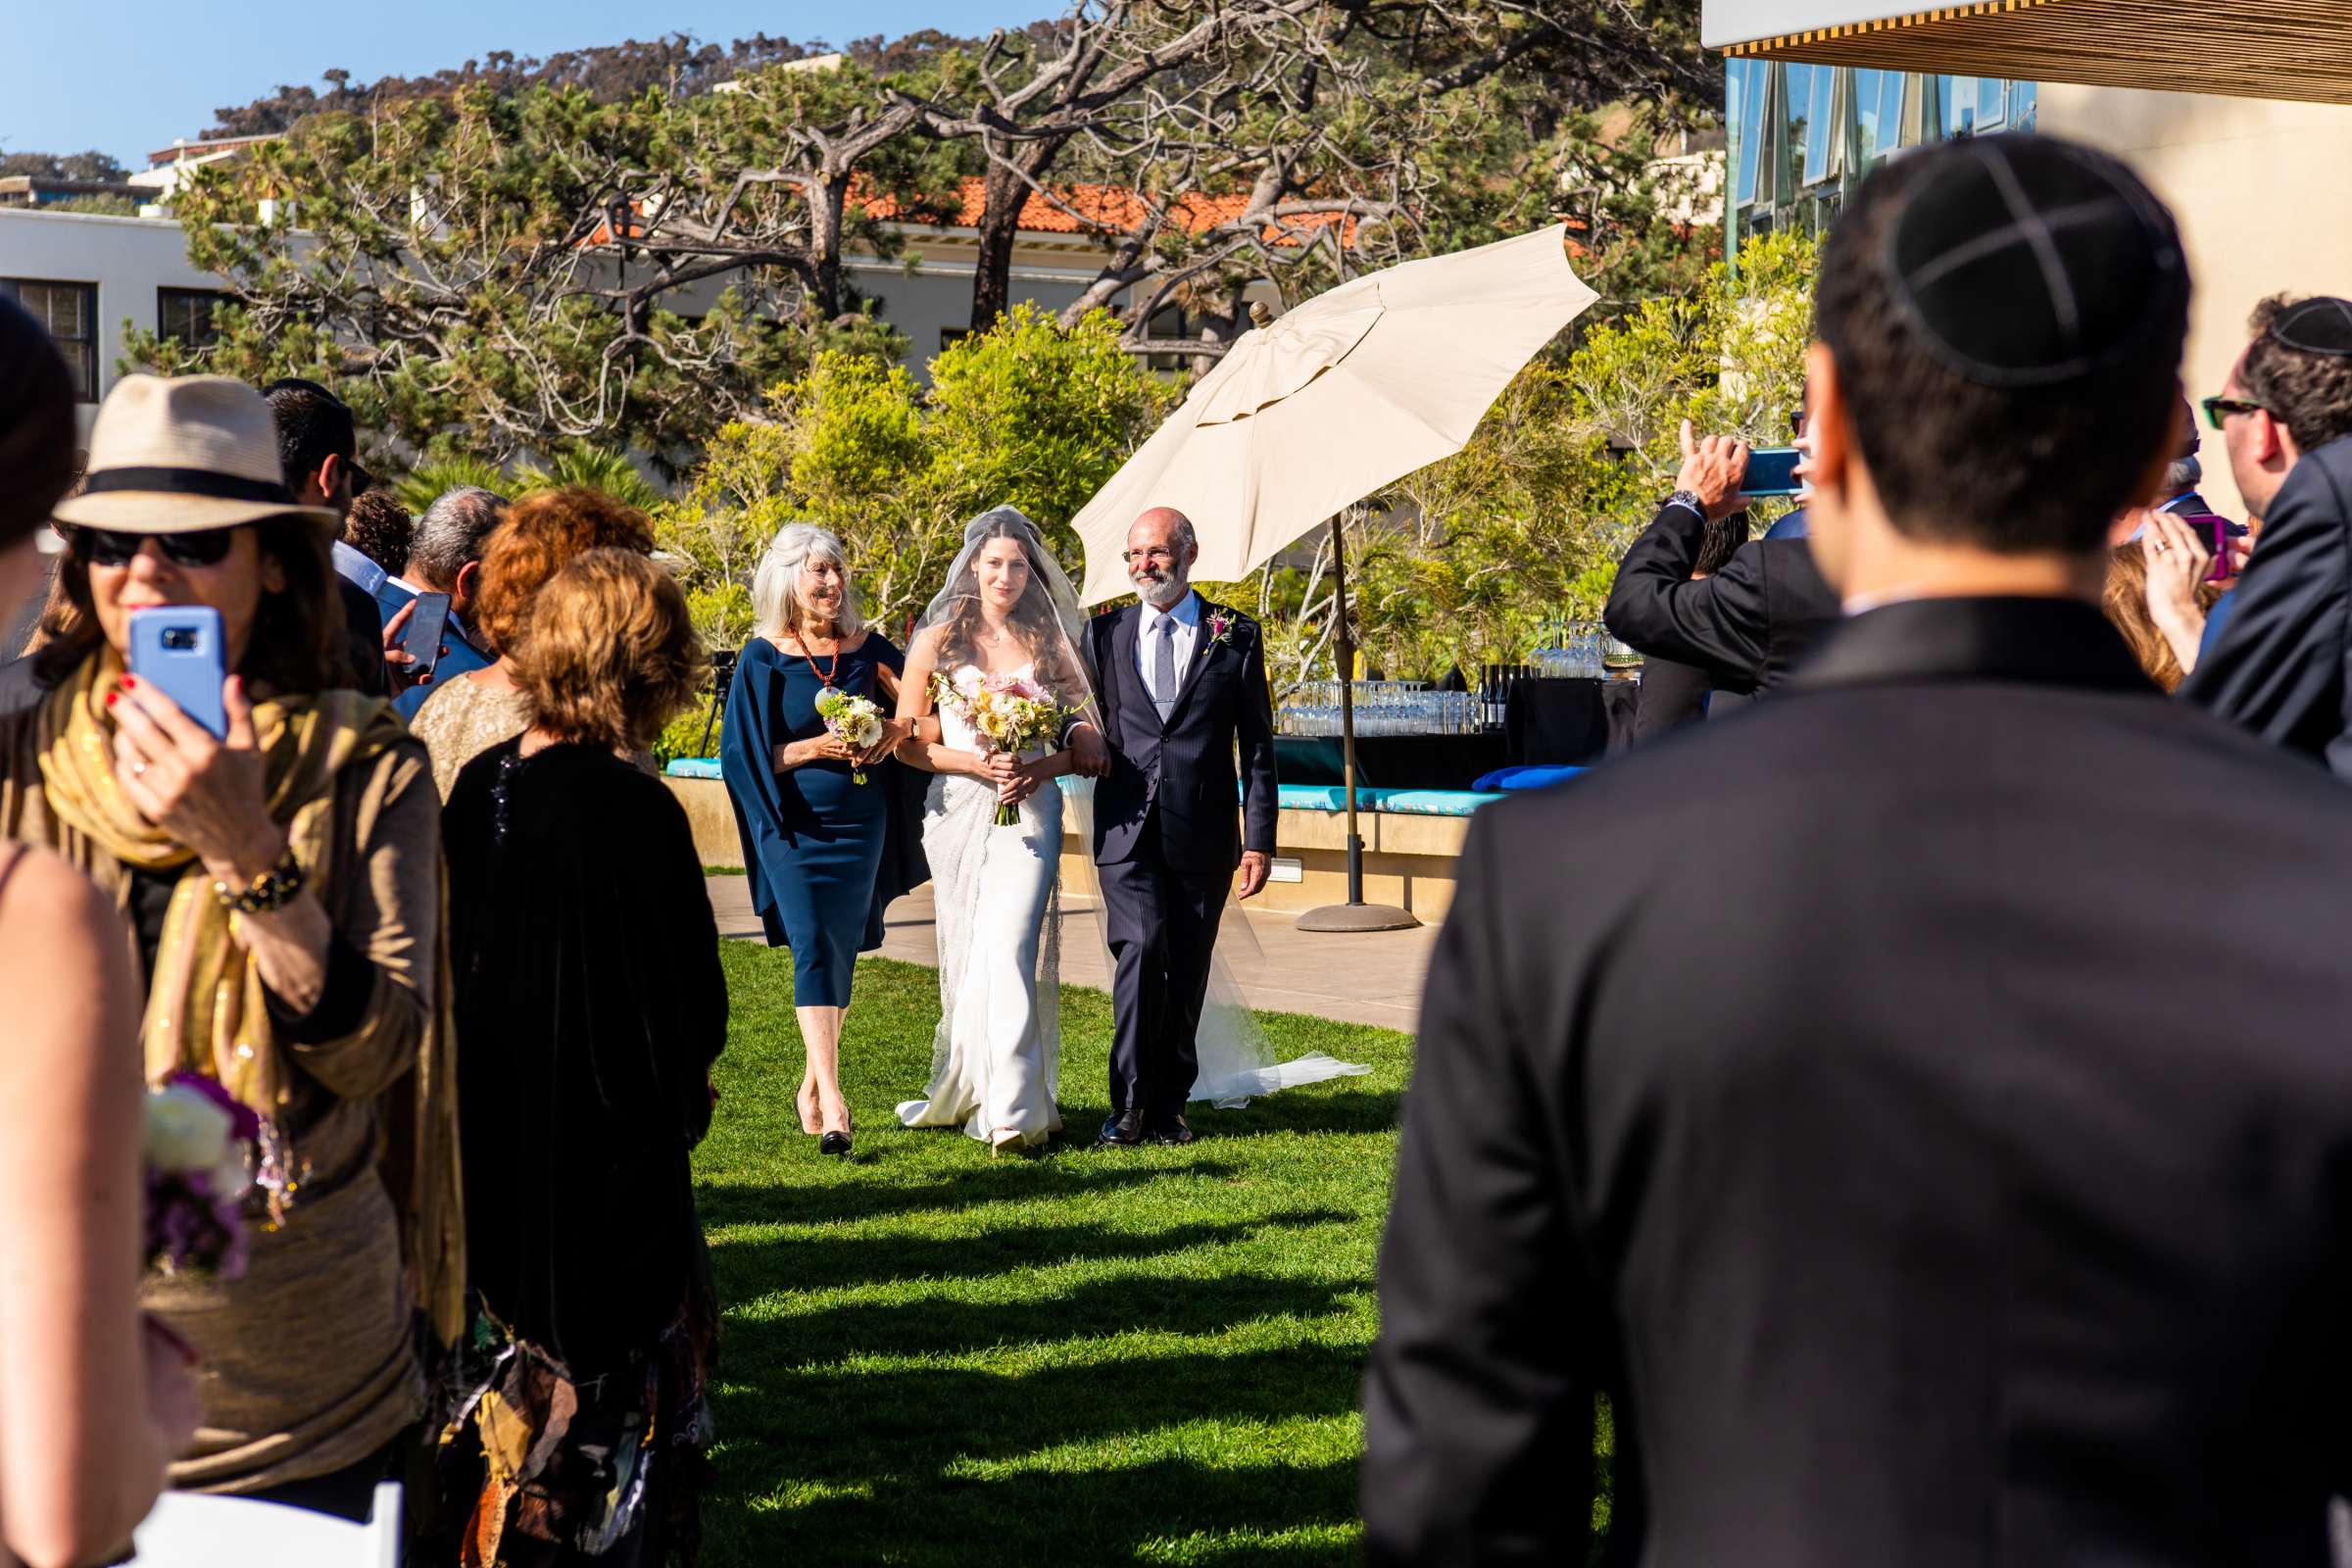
x=129, y=681
x=111, y=698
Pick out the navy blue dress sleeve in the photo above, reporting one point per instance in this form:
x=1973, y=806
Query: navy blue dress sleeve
x=747, y=750
x=904, y=866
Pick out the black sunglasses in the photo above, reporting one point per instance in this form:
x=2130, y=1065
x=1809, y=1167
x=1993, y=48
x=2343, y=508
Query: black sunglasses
x=109, y=547
x=2218, y=409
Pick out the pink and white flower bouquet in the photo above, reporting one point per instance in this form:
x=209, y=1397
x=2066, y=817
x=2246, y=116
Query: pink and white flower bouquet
x=198, y=1145
x=1012, y=714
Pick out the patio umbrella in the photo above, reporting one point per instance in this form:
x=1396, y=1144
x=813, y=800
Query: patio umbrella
x=1354, y=388
x=1308, y=415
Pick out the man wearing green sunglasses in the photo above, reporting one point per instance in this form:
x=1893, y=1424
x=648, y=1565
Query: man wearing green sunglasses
x=2277, y=650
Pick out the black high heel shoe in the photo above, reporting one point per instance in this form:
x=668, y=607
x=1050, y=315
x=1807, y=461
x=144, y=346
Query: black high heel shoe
x=833, y=1143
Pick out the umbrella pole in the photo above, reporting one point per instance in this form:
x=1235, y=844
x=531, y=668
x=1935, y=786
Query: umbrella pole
x=1355, y=914
x=1343, y=640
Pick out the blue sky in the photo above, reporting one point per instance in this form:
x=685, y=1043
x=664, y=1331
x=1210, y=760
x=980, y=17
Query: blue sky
x=129, y=76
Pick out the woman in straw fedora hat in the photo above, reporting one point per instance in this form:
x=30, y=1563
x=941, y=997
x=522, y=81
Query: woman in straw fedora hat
x=89, y=1414
x=283, y=887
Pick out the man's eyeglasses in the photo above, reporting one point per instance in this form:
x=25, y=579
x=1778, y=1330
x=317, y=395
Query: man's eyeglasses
x=1136, y=558
x=109, y=547
x=2218, y=409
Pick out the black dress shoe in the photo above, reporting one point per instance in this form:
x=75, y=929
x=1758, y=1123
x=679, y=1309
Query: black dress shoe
x=1124, y=1130
x=833, y=1143
x=1173, y=1132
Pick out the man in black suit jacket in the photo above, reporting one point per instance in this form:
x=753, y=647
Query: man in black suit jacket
x=1184, y=688
x=1746, y=624
x=319, y=444
x=1674, y=694
x=1988, y=1198
x=2279, y=664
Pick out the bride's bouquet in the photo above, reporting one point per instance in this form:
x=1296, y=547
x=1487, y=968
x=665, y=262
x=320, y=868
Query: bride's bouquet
x=1010, y=712
x=197, y=1144
x=855, y=719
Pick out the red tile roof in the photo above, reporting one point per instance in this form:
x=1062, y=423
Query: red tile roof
x=1115, y=210
x=1106, y=210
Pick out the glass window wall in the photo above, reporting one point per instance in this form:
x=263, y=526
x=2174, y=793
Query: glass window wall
x=1801, y=136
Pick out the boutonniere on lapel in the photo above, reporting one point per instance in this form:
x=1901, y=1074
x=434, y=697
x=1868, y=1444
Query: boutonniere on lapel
x=1220, y=627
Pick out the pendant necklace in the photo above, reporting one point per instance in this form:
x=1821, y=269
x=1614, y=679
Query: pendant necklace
x=824, y=676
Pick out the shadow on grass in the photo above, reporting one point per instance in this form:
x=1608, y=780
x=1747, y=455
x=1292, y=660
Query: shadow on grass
x=1099, y=1309
x=822, y=1441
x=1166, y=1511
x=1343, y=1112
x=752, y=1267
x=1062, y=1173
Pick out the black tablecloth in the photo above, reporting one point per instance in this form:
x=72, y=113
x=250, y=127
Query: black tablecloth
x=1570, y=722
x=1553, y=722
x=1390, y=761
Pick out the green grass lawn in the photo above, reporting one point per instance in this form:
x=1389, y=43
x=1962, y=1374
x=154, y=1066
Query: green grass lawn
x=1085, y=1358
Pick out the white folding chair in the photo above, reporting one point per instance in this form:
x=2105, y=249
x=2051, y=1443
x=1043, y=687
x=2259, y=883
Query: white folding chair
x=189, y=1531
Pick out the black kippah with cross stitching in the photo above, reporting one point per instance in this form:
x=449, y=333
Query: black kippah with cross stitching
x=2026, y=262
x=2320, y=325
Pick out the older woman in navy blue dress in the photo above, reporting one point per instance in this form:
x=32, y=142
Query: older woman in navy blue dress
x=814, y=838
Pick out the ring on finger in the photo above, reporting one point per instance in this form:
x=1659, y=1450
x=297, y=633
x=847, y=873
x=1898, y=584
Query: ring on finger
x=138, y=770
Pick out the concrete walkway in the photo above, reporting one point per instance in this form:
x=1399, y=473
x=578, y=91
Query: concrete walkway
x=1373, y=979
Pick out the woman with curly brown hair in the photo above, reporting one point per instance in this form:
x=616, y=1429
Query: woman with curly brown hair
x=592, y=1005
x=541, y=533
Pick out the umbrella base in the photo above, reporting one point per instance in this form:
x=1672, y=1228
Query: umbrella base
x=1357, y=918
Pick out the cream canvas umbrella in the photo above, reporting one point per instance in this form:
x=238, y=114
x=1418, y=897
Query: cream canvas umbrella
x=1305, y=417
x=1354, y=388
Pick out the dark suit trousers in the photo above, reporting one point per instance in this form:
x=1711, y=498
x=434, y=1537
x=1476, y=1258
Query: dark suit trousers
x=1162, y=928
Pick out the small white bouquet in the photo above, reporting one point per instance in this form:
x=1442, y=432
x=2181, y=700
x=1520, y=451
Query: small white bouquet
x=855, y=719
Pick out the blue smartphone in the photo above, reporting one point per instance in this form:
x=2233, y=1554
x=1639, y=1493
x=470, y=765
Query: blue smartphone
x=421, y=639
x=1771, y=471
x=177, y=649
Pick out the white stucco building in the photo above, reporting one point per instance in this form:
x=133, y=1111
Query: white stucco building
x=91, y=278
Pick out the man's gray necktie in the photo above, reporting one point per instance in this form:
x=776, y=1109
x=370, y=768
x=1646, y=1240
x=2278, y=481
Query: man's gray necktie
x=1164, y=668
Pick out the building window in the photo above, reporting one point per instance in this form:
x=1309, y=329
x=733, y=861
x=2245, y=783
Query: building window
x=1747, y=105
x=1879, y=111
x=1169, y=322
x=69, y=311
x=1802, y=136
x=1821, y=127
x=186, y=315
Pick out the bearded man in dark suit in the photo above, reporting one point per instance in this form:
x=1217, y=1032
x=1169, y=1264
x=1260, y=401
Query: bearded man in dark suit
x=1184, y=694
x=1988, y=1198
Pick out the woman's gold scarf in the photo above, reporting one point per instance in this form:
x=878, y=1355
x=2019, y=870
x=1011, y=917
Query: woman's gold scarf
x=206, y=1009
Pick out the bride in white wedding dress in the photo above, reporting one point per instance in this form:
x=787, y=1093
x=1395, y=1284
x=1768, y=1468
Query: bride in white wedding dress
x=1008, y=610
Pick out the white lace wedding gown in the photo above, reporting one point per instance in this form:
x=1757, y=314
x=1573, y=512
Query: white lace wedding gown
x=996, y=1059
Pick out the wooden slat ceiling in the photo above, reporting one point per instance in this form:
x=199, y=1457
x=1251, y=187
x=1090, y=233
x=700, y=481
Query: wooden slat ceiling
x=2298, y=50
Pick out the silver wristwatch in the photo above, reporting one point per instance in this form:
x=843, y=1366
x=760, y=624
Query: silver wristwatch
x=1687, y=498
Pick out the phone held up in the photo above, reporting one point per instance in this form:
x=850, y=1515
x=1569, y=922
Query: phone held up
x=1771, y=471
x=421, y=639
x=2215, y=533
x=179, y=651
